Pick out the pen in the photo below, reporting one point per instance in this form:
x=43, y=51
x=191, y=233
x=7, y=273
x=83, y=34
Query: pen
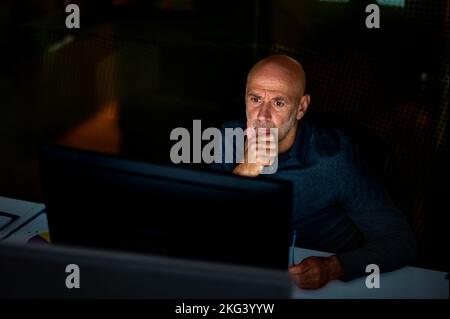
x=293, y=246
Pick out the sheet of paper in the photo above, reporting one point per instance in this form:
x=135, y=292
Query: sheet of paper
x=16, y=214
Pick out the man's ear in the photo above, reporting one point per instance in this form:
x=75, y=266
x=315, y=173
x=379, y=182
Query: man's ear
x=303, y=106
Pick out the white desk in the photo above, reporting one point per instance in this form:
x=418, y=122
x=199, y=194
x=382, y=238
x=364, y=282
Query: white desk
x=405, y=283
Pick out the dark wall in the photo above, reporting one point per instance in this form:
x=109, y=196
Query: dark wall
x=394, y=82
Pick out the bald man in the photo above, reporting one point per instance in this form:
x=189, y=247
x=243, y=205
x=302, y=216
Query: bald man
x=274, y=97
x=338, y=204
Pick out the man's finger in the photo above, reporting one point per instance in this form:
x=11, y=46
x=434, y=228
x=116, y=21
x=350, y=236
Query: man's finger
x=266, y=154
x=301, y=268
x=296, y=269
x=266, y=138
x=250, y=132
x=264, y=161
x=304, y=279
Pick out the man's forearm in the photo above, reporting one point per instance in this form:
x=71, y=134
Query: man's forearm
x=389, y=254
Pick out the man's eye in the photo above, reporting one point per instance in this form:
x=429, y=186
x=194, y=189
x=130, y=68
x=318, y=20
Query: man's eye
x=279, y=103
x=254, y=99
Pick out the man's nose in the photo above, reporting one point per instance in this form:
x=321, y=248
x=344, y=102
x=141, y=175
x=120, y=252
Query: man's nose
x=264, y=112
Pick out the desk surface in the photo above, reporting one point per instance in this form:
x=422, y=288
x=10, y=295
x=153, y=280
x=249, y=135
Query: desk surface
x=405, y=283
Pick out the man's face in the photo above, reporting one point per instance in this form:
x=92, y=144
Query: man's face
x=272, y=100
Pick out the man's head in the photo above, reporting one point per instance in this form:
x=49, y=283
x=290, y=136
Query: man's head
x=275, y=96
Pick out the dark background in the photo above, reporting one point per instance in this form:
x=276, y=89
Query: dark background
x=137, y=69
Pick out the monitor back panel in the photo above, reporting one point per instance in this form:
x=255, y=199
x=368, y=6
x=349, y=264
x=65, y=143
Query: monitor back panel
x=131, y=206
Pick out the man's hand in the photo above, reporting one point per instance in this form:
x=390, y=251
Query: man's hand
x=260, y=150
x=315, y=272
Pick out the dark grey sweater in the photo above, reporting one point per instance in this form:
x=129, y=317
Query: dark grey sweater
x=339, y=206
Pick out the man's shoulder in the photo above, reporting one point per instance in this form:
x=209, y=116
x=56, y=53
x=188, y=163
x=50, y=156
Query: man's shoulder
x=327, y=140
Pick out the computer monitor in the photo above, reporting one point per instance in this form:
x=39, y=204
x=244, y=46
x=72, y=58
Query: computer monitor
x=41, y=271
x=101, y=201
